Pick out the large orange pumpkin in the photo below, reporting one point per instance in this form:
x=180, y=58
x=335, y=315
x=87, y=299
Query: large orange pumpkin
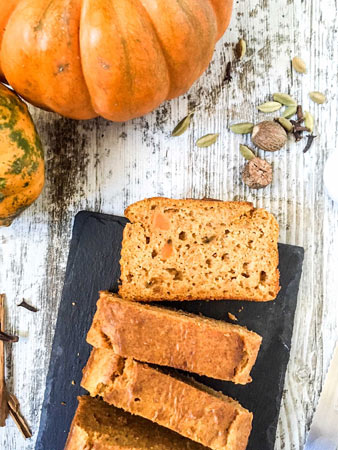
x=115, y=58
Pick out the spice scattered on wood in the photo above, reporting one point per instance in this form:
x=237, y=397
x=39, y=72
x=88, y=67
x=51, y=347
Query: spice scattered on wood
x=20, y=421
x=269, y=107
x=289, y=111
x=284, y=99
x=310, y=138
x=207, y=140
x=228, y=76
x=269, y=135
x=5, y=337
x=246, y=152
x=317, y=97
x=309, y=121
x=298, y=128
x=182, y=126
x=286, y=124
x=240, y=49
x=242, y=128
x=257, y=173
x=3, y=390
x=300, y=115
x=24, y=304
x=298, y=64
x=9, y=404
x=297, y=134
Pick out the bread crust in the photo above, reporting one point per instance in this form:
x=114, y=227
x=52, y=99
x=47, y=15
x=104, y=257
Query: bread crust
x=199, y=250
x=182, y=405
x=176, y=339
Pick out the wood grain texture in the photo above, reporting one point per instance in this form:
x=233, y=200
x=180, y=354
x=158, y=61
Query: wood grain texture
x=104, y=166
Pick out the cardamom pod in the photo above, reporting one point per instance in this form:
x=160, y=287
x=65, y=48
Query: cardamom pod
x=284, y=99
x=286, y=124
x=269, y=107
x=298, y=64
x=308, y=121
x=240, y=49
x=182, y=126
x=246, y=152
x=207, y=140
x=289, y=112
x=317, y=97
x=242, y=128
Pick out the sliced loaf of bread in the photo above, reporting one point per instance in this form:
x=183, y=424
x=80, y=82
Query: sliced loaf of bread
x=199, y=249
x=172, y=338
x=98, y=426
x=182, y=405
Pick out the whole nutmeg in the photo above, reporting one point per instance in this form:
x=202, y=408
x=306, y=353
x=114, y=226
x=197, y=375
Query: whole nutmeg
x=269, y=135
x=257, y=173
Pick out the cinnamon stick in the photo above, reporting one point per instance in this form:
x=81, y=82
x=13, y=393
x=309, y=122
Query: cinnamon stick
x=9, y=404
x=14, y=411
x=5, y=337
x=3, y=389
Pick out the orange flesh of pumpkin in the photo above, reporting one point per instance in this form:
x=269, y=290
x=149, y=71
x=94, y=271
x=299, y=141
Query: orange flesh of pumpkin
x=167, y=251
x=118, y=59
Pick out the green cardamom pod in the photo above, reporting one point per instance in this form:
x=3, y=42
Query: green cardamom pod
x=246, y=152
x=242, y=128
x=289, y=112
x=269, y=107
x=241, y=49
x=207, y=140
x=182, y=126
x=317, y=97
x=309, y=121
x=298, y=64
x=284, y=99
x=286, y=124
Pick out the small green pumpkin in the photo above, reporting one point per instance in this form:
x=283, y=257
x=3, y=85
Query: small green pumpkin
x=21, y=157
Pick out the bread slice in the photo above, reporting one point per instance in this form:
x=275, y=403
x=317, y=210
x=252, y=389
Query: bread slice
x=182, y=405
x=177, y=339
x=199, y=250
x=96, y=425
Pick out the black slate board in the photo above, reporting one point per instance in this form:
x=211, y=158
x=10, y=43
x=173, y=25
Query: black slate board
x=93, y=265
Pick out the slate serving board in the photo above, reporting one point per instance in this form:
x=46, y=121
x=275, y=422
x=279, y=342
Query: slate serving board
x=93, y=265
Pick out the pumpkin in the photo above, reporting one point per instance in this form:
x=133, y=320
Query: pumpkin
x=118, y=59
x=21, y=157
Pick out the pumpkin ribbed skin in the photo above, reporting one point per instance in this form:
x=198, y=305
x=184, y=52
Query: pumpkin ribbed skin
x=115, y=58
x=21, y=158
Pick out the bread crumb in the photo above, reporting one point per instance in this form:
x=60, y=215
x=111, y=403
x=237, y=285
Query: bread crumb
x=232, y=317
x=73, y=382
x=241, y=309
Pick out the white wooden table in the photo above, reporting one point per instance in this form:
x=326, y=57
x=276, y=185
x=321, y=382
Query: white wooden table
x=105, y=166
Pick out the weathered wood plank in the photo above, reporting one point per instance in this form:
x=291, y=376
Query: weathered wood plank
x=105, y=166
